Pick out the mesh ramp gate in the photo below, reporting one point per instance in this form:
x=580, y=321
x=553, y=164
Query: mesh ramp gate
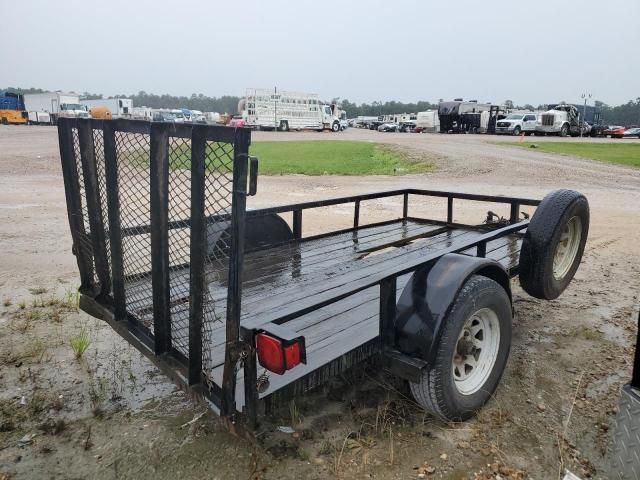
x=153, y=214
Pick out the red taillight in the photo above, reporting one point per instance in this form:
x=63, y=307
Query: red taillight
x=277, y=356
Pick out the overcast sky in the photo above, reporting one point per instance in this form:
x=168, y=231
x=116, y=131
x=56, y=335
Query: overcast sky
x=531, y=51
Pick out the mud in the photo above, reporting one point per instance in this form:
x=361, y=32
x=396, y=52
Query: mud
x=111, y=414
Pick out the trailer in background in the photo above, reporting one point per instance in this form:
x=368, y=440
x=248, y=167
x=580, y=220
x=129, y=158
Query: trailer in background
x=459, y=116
x=272, y=110
x=119, y=107
x=428, y=122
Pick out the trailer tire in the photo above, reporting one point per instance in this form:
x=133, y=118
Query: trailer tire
x=482, y=312
x=284, y=126
x=4, y=121
x=554, y=243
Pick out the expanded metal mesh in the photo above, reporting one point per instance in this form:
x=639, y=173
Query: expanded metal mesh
x=98, y=147
x=218, y=197
x=133, y=160
x=84, y=237
x=179, y=240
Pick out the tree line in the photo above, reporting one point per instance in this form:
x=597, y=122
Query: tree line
x=626, y=114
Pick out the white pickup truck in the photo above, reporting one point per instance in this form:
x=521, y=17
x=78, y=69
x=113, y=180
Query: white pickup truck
x=517, y=123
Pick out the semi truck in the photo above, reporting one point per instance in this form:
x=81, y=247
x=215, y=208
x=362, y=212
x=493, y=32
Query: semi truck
x=562, y=119
x=119, y=107
x=56, y=104
x=12, y=111
x=272, y=110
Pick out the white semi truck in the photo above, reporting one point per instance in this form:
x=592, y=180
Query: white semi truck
x=272, y=110
x=119, y=107
x=563, y=120
x=55, y=104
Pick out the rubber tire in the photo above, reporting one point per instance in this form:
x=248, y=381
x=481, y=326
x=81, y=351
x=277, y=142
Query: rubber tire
x=539, y=244
x=516, y=131
x=564, y=130
x=4, y=121
x=436, y=391
x=284, y=126
x=335, y=127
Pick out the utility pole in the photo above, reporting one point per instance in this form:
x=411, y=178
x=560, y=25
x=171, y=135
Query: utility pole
x=585, y=97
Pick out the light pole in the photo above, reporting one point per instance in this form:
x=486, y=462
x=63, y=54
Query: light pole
x=585, y=97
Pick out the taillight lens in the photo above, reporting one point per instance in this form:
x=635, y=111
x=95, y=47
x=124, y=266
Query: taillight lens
x=275, y=355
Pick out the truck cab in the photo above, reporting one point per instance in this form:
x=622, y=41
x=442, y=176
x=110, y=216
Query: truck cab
x=74, y=110
x=517, y=123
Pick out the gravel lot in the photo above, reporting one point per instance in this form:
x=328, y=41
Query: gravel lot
x=112, y=415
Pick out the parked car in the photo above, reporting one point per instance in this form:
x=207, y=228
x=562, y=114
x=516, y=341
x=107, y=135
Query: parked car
x=517, y=123
x=407, y=127
x=632, y=132
x=614, y=131
x=388, y=127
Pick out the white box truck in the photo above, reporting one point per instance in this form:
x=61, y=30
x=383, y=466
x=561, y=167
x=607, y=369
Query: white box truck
x=119, y=107
x=270, y=110
x=56, y=104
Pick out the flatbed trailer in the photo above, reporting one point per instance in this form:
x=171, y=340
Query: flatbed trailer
x=241, y=308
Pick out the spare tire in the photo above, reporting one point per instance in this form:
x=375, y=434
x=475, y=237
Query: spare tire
x=553, y=245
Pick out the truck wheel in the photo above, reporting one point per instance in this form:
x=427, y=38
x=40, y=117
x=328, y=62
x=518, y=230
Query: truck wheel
x=553, y=245
x=335, y=127
x=564, y=131
x=471, y=354
x=284, y=126
x=4, y=121
x=516, y=131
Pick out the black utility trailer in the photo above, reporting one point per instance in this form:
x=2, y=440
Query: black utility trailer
x=241, y=308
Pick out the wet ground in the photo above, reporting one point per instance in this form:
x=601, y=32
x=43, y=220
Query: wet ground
x=111, y=414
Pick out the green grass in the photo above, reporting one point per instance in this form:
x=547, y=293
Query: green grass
x=619, y=153
x=331, y=157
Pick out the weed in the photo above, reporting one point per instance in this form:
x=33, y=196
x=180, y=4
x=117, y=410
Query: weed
x=37, y=291
x=34, y=315
x=38, y=301
x=98, y=395
x=80, y=342
x=294, y=414
x=71, y=299
x=22, y=304
x=7, y=302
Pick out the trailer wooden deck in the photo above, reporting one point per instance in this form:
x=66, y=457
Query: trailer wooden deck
x=282, y=280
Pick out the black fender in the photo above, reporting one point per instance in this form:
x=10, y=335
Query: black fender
x=265, y=230
x=428, y=296
x=261, y=231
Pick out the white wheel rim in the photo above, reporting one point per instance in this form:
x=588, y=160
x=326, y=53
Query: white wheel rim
x=476, y=351
x=567, y=248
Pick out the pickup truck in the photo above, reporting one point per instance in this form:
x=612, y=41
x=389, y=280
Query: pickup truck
x=517, y=123
x=243, y=309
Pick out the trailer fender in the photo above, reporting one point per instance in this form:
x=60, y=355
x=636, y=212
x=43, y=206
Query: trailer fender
x=428, y=296
x=260, y=232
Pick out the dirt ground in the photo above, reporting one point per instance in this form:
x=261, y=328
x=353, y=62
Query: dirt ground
x=111, y=414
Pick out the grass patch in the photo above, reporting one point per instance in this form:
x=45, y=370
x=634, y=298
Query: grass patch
x=80, y=342
x=333, y=157
x=618, y=153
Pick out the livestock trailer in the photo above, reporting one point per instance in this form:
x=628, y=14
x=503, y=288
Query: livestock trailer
x=242, y=308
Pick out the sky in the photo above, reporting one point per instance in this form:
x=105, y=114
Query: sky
x=533, y=52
